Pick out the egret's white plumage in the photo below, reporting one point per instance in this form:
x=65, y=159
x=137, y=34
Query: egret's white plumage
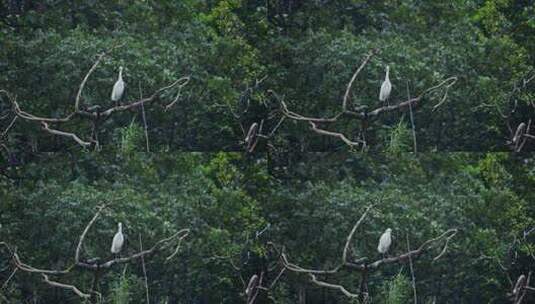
x=386, y=87
x=385, y=241
x=118, y=87
x=118, y=240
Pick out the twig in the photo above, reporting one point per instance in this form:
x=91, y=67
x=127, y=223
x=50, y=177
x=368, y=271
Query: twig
x=8, y=127
x=412, y=120
x=333, y=286
x=352, y=233
x=84, y=233
x=362, y=112
x=169, y=106
x=336, y=134
x=66, y=286
x=9, y=278
x=186, y=233
x=277, y=278
x=144, y=119
x=70, y=135
x=412, y=272
x=144, y=271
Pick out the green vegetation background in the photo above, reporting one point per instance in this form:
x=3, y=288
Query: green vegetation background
x=308, y=51
x=311, y=202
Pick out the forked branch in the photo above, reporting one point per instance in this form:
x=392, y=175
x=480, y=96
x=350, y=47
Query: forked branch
x=361, y=112
x=362, y=265
x=95, y=264
x=95, y=114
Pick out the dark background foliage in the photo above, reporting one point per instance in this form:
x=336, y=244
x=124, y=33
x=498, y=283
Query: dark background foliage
x=308, y=51
x=311, y=201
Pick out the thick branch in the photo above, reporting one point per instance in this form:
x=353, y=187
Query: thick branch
x=66, y=134
x=336, y=134
x=4, y=133
x=66, y=286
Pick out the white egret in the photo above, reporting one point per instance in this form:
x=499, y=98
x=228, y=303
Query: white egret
x=385, y=241
x=386, y=87
x=118, y=87
x=118, y=240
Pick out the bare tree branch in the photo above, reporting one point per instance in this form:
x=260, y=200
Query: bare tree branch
x=350, y=237
x=144, y=272
x=94, y=114
x=66, y=286
x=334, y=286
x=362, y=265
x=4, y=133
x=93, y=68
x=66, y=134
x=357, y=72
x=362, y=112
x=413, y=282
x=251, y=292
x=94, y=264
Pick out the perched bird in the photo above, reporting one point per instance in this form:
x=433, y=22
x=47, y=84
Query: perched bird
x=386, y=87
x=118, y=240
x=385, y=241
x=118, y=87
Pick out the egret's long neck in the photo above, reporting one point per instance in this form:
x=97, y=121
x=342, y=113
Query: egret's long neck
x=387, y=74
x=120, y=74
x=120, y=226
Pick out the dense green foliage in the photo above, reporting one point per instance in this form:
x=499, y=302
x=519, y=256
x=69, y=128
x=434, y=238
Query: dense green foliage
x=308, y=51
x=311, y=206
x=298, y=189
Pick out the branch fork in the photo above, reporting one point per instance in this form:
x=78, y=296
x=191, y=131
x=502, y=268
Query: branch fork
x=363, y=265
x=96, y=265
x=95, y=114
x=361, y=112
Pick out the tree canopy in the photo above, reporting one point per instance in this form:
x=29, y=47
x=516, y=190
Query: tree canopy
x=241, y=210
x=240, y=55
x=251, y=160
